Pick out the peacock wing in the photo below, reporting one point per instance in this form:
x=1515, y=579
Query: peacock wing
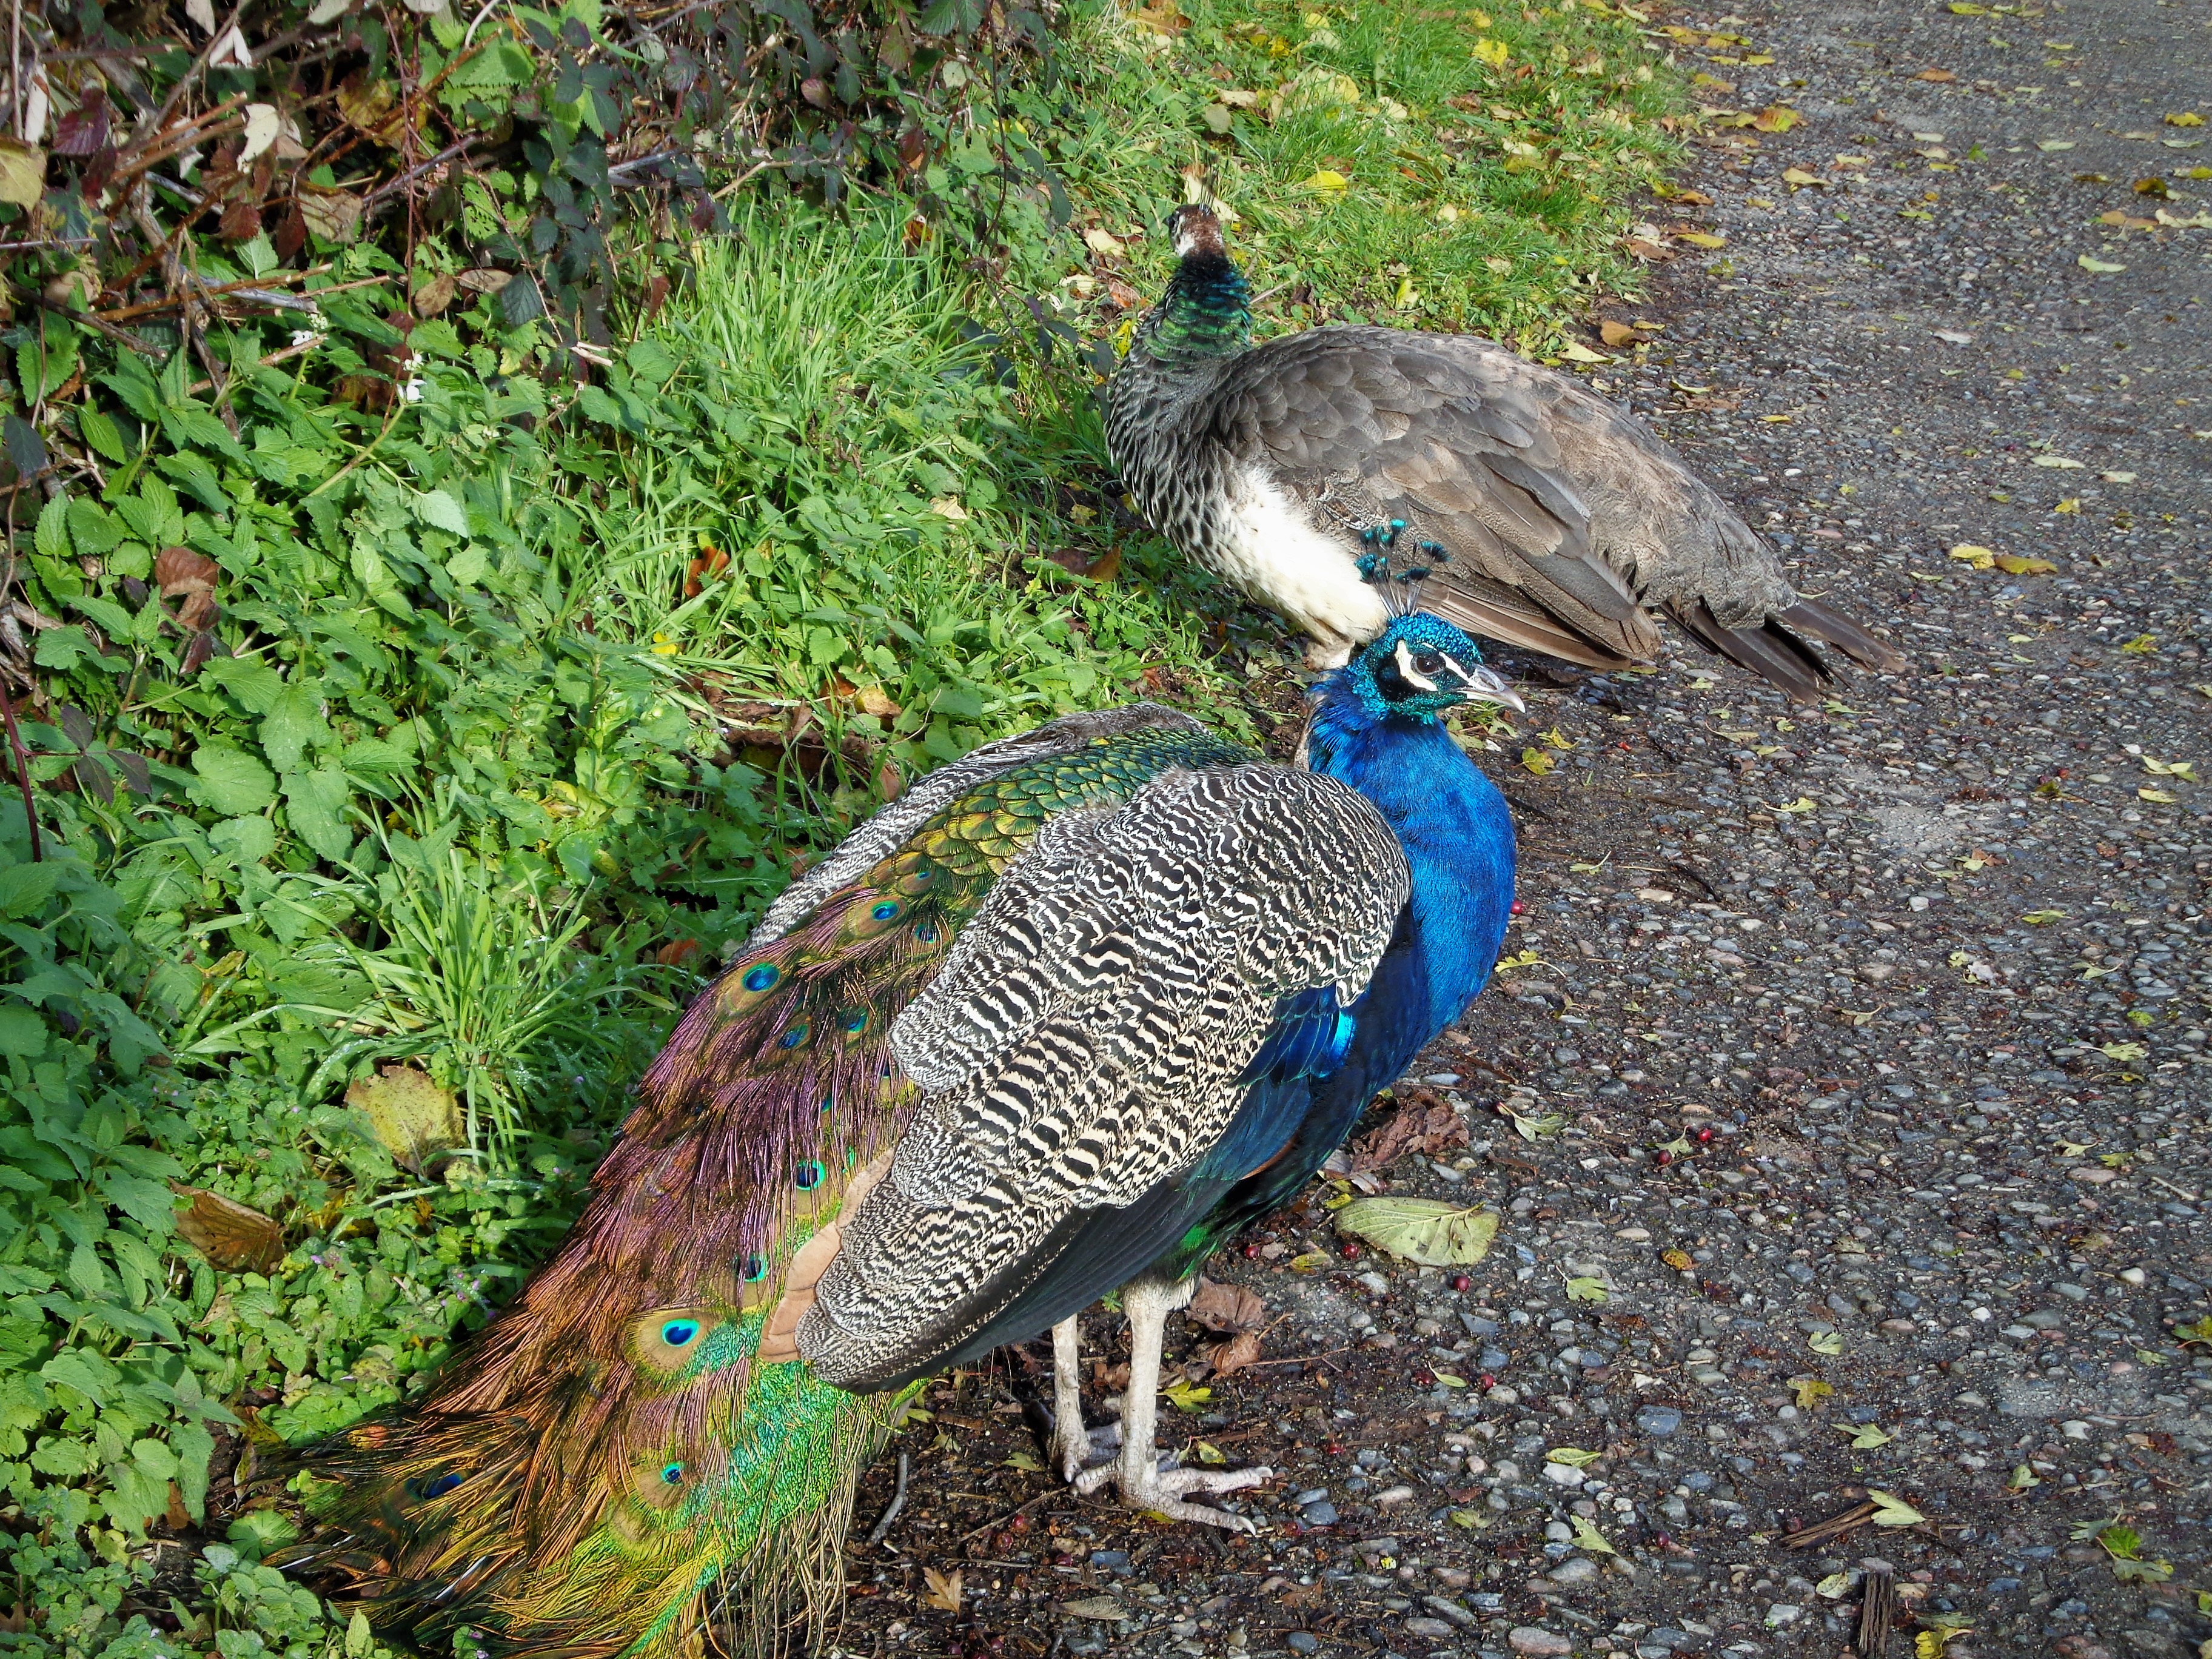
x=1121, y=1033
x=626, y=1435
x=1447, y=434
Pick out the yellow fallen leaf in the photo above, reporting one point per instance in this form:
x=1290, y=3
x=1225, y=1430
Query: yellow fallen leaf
x=2185, y=118
x=943, y=1589
x=1575, y=1457
x=1681, y=1260
x=1776, y=117
x=2143, y=645
x=1575, y=352
x=2059, y=461
x=2014, y=565
x=2185, y=771
x=1797, y=178
x=2071, y=504
x=1329, y=182
x=2158, y=797
x=1700, y=239
x=1589, y=1539
x=1981, y=558
x=1810, y=1391
x=1891, y=1510
x=1618, y=334
x=945, y=507
x=1495, y=53
x=1865, y=1436
x=1828, y=1342
x=1105, y=242
x=1537, y=761
x=1802, y=804
x=2102, y=267
x=2043, y=918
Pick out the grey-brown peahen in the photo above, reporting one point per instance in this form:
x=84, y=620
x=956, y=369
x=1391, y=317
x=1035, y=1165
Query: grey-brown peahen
x=1554, y=520
x=1075, y=1007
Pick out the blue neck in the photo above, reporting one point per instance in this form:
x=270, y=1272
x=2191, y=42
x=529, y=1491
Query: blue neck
x=1458, y=837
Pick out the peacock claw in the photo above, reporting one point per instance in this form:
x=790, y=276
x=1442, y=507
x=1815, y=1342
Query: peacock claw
x=1162, y=1493
x=1087, y=1449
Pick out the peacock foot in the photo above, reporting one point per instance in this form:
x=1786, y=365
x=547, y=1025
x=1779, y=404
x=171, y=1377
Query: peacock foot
x=1160, y=1492
x=1075, y=1449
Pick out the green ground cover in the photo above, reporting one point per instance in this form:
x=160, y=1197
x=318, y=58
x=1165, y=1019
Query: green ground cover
x=462, y=730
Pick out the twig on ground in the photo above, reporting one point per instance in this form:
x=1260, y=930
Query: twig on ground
x=898, y=1502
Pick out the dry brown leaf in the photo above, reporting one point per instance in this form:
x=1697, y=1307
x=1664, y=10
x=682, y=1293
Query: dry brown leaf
x=943, y=1591
x=1230, y=1308
x=1939, y=76
x=434, y=296
x=229, y=1234
x=1423, y=1123
x=1618, y=334
x=874, y=700
x=1229, y=1357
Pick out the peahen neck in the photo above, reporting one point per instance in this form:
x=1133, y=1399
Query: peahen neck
x=1458, y=837
x=1205, y=314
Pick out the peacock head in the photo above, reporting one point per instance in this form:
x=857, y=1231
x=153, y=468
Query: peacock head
x=1419, y=666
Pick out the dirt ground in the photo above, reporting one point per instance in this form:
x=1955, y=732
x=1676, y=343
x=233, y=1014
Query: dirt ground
x=1856, y=1057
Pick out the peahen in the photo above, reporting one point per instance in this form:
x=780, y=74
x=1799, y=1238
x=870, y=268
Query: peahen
x=1556, y=520
x=1059, y=1020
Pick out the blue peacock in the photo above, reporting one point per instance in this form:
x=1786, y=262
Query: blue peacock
x=1060, y=1020
x=1554, y=520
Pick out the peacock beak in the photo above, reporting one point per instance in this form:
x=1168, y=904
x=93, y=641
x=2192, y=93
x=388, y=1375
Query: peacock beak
x=1486, y=684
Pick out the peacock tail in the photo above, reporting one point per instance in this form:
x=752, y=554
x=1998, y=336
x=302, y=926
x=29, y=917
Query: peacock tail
x=633, y=1459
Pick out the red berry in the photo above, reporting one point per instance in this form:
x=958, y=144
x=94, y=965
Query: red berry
x=1705, y=1134
x=1461, y=1282
x=1352, y=1253
x=1334, y=1448
x=1662, y=1158
x=1489, y=1380
x=1424, y=1379
x=1519, y=909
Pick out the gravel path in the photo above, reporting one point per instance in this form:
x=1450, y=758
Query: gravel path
x=1857, y=1057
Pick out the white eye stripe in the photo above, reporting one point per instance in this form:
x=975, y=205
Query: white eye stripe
x=1453, y=663
x=1411, y=676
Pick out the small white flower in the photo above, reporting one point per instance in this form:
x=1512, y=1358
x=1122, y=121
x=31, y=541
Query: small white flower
x=411, y=391
x=304, y=337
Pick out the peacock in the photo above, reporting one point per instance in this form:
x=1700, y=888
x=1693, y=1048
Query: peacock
x=1556, y=520
x=1060, y=1019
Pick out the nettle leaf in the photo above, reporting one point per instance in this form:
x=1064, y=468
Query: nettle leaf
x=438, y=510
x=231, y=782
x=25, y=888
x=254, y=683
x=91, y=528
x=292, y=721
x=315, y=806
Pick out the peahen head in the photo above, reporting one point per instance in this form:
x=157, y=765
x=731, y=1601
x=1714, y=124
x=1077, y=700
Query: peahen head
x=1206, y=311
x=1419, y=666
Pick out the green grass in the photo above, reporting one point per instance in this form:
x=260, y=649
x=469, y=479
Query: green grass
x=1380, y=167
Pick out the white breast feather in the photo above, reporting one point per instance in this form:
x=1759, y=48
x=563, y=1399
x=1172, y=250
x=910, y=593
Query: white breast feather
x=1273, y=549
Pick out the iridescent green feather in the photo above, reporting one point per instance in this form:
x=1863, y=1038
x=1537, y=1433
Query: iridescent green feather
x=612, y=1469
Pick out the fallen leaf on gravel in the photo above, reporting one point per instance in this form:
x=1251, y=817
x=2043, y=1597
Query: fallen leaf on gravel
x=2202, y=221
x=2102, y=267
x=1776, y=117
x=1618, y=334
x=1970, y=553
x=2185, y=118
x=2143, y=645
x=1537, y=761
x=2043, y=918
x=2154, y=185
x=943, y=1591
x=2158, y=797
x=2058, y=461
x=1185, y=1396
x=1890, y=1510
x=1802, y=804
x=1938, y=76
x=1104, y=1608
x=1952, y=336
x=1810, y=1391
x=1588, y=1537
x=1575, y=352
x=1700, y=239
x=2014, y=565
x=1575, y=1457
x=1226, y=1308
x=1797, y=178
x=2185, y=771
x=2054, y=144
x=1681, y=1260
x=1423, y=1123
x=1423, y=1229
x=1586, y=1289
x=1929, y=1644
x=1312, y=1262
x=1828, y=1342
x=1834, y=1587
x=1234, y=1355
x=1865, y=1436
x=1026, y=1462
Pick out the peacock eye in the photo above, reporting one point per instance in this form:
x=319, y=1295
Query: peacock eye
x=1429, y=662
x=678, y=1333
x=672, y=1473
x=807, y=1177
x=763, y=976
x=753, y=1269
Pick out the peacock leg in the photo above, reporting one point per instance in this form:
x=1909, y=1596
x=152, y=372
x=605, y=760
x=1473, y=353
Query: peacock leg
x=1143, y=1484
x=1074, y=1448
